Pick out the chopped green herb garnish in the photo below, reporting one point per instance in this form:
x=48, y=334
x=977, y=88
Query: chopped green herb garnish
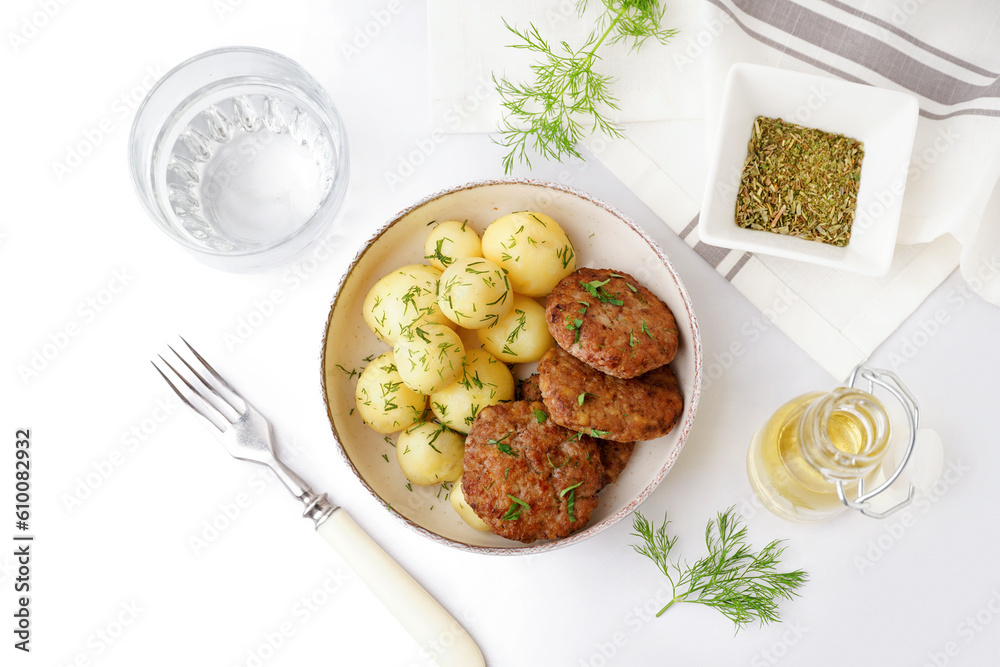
x=565, y=255
x=499, y=299
x=568, y=489
x=439, y=255
x=515, y=333
x=627, y=284
x=571, y=500
x=503, y=446
x=596, y=289
x=350, y=373
x=435, y=436
x=556, y=467
x=593, y=286
x=574, y=324
x=514, y=511
x=472, y=415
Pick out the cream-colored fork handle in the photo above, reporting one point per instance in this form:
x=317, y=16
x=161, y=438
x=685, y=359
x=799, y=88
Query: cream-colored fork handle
x=434, y=629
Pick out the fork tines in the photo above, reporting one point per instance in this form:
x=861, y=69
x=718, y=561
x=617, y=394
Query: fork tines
x=204, y=396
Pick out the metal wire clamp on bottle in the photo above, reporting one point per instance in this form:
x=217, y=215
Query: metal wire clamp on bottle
x=817, y=454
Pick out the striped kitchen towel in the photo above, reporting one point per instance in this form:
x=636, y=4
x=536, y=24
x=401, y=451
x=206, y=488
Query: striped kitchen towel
x=947, y=54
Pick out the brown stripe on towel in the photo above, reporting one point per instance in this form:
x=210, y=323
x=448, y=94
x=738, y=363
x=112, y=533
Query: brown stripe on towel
x=738, y=265
x=711, y=254
x=972, y=67
x=690, y=227
x=819, y=37
x=866, y=50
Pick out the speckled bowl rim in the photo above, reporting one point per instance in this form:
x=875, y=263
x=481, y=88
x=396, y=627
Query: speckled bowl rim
x=684, y=428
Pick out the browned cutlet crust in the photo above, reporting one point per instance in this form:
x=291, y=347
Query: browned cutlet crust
x=641, y=408
x=510, y=454
x=615, y=456
x=625, y=330
x=528, y=390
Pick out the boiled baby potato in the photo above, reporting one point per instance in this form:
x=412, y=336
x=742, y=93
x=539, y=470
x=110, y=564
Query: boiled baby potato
x=520, y=336
x=457, y=498
x=485, y=381
x=474, y=293
x=429, y=357
x=384, y=402
x=405, y=296
x=430, y=453
x=532, y=248
x=450, y=240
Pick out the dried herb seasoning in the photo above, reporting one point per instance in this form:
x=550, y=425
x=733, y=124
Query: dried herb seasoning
x=800, y=181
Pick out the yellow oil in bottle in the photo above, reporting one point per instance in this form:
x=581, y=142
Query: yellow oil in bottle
x=811, y=442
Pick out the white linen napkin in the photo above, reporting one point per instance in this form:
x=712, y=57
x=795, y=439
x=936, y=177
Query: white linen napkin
x=947, y=54
x=469, y=44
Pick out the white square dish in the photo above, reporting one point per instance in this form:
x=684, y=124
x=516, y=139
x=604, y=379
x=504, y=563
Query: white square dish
x=884, y=121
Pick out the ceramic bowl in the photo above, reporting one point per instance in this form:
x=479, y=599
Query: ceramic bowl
x=603, y=237
x=884, y=120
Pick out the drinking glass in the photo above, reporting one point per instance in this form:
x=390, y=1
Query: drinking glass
x=239, y=155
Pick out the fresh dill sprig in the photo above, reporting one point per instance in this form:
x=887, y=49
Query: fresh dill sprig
x=744, y=586
x=551, y=115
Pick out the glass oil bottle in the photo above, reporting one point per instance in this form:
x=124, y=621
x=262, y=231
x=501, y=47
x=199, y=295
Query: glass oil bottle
x=815, y=456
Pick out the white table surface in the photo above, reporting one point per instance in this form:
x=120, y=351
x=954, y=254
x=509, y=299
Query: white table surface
x=126, y=482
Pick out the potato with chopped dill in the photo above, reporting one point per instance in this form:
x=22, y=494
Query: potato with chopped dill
x=405, y=296
x=469, y=516
x=521, y=336
x=474, y=293
x=429, y=357
x=532, y=248
x=449, y=241
x=430, y=453
x=485, y=381
x=384, y=402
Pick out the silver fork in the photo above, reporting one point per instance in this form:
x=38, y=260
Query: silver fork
x=246, y=435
